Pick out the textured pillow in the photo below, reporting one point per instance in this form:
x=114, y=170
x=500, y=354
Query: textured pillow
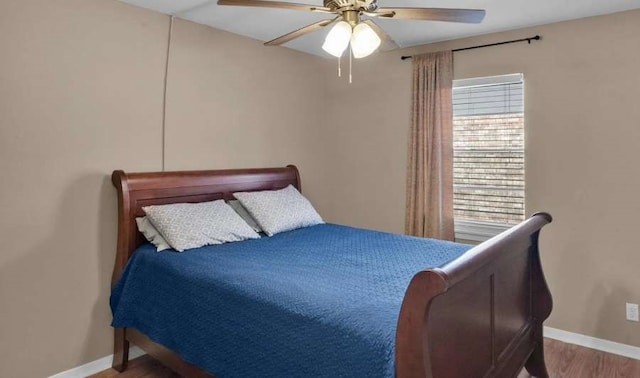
x=151, y=234
x=244, y=214
x=279, y=210
x=192, y=225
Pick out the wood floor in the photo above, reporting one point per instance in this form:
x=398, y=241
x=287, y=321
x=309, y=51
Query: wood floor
x=568, y=361
x=563, y=360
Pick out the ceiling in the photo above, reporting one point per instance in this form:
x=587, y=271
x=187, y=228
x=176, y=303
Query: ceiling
x=265, y=24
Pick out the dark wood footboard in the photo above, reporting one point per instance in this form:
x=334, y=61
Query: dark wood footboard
x=480, y=315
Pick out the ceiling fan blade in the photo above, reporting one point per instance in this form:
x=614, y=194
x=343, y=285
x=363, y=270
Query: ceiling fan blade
x=323, y=10
x=388, y=14
x=300, y=32
x=273, y=4
x=387, y=43
x=471, y=16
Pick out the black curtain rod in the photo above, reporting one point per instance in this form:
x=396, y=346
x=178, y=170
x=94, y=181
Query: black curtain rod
x=528, y=40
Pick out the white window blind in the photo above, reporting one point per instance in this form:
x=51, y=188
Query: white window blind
x=488, y=154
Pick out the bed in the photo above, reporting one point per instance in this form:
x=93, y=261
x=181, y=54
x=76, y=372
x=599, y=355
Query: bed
x=473, y=312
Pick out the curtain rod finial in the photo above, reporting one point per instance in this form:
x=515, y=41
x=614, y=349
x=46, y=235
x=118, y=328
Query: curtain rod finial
x=536, y=38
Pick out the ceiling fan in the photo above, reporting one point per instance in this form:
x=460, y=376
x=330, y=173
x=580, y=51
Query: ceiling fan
x=364, y=35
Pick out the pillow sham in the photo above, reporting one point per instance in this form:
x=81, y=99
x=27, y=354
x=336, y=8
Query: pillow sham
x=244, y=214
x=279, y=210
x=192, y=225
x=151, y=234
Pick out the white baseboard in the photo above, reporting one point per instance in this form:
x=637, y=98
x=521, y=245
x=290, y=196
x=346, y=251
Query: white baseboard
x=593, y=343
x=552, y=333
x=96, y=366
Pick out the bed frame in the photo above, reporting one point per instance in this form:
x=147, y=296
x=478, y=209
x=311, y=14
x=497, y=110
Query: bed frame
x=480, y=315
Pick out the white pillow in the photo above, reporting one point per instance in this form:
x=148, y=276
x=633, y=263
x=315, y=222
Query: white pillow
x=244, y=214
x=192, y=225
x=151, y=234
x=279, y=210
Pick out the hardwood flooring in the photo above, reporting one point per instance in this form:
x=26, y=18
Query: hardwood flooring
x=141, y=367
x=563, y=361
x=569, y=361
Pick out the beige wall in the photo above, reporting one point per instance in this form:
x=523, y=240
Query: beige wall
x=582, y=136
x=234, y=103
x=78, y=94
x=81, y=86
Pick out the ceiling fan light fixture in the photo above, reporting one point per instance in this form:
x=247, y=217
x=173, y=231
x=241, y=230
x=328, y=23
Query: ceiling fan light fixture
x=338, y=39
x=364, y=41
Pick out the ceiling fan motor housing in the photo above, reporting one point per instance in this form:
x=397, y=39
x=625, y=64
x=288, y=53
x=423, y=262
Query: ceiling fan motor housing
x=344, y=5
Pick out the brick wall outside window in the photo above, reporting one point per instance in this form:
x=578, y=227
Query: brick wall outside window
x=488, y=168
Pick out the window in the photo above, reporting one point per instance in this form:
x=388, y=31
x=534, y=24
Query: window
x=488, y=155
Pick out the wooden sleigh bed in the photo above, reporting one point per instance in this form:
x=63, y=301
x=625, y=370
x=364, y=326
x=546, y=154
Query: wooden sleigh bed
x=480, y=315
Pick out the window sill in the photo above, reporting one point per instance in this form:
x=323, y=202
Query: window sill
x=478, y=231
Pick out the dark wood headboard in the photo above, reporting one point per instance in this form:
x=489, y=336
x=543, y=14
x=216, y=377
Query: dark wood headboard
x=136, y=190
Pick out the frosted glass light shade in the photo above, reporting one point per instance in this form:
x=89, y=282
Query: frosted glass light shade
x=338, y=39
x=364, y=41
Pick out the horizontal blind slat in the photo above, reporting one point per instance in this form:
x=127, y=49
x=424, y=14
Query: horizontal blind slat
x=488, y=156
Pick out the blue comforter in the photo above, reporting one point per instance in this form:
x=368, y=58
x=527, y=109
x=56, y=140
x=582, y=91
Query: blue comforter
x=321, y=301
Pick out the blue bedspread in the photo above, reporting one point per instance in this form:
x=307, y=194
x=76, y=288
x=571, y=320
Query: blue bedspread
x=322, y=301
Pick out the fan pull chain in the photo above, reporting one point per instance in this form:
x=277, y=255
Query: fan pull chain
x=339, y=68
x=350, y=66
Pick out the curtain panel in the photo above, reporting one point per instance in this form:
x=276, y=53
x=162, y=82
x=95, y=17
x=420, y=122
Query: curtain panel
x=429, y=203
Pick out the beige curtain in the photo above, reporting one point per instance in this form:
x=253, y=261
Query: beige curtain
x=429, y=211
